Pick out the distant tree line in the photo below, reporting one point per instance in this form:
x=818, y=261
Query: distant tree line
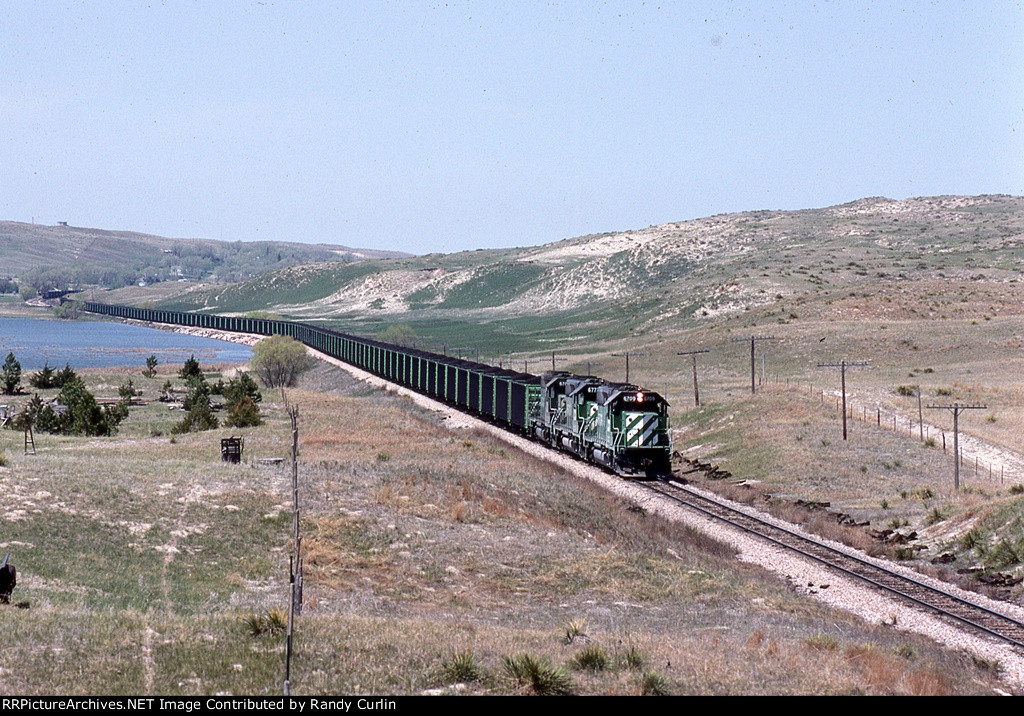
x=221, y=262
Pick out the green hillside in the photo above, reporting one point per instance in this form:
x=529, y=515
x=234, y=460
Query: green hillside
x=663, y=277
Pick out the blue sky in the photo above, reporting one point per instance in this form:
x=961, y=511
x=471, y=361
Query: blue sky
x=441, y=126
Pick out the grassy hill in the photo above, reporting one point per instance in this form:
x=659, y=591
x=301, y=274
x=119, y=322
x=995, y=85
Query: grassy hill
x=666, y=277
x=71, y=254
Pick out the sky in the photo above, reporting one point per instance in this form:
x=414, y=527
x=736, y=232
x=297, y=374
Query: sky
x=442, y=126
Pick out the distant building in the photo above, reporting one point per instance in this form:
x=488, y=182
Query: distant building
x=62, y=223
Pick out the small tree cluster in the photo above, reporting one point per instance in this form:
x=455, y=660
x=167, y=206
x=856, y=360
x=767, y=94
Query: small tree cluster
x=128, y=391
x=81, y=415
x=68, y=311
x=49, y=378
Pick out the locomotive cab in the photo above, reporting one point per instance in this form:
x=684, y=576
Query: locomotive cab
x=636, y=440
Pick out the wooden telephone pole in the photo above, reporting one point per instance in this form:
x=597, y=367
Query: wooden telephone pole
x=842, y=365
x=693, y=355
x=627, y=354
x=554, y=360
x=753, y=370
x=956, y=409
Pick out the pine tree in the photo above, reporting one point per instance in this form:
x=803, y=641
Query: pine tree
x=11, y=374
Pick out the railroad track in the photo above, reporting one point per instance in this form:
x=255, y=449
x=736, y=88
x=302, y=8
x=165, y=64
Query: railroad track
x=935, y=600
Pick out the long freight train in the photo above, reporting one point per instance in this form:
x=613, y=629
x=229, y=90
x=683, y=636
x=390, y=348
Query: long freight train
x=617, y=425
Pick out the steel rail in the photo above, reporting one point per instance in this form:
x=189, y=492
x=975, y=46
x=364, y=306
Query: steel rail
x=1007, y=622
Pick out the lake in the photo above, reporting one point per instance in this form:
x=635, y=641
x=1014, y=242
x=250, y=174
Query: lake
x=103, y=344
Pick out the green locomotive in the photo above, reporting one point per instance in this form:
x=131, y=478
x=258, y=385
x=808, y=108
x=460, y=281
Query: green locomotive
x=618, y=425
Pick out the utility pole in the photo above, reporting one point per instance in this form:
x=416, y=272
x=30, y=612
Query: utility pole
x=956, y=409
x=627, y=354
x=554, y=360
x=753, y=369
x=693, y=355
x=468, y=349
x=842, y=367
x=920, y=414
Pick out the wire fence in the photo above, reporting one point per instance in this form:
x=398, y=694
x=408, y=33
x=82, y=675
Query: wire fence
x=925, y=433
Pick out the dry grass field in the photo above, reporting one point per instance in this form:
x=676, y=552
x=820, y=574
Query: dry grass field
x=435, y=562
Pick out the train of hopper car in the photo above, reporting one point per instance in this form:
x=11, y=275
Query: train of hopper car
x=619, y=426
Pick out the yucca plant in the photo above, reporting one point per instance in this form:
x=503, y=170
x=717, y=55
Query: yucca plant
x=461, y=667
x=537, y=673
x=634, y=658
x=576, y=630
x=593, y=658
x=653, y=684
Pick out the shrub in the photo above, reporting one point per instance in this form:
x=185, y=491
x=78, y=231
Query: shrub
x=242, y=395
x=199, y=415
x=400, y=334
x=1004, y=554
x=971, y=539
x=822, y=642
x=243, y=414
x=575, y=629
x=82, y=414
x=279, y=360
x=1017, y=489
x=44, y=379
x=64, y=376
x=906, y=651
x=241, y=387
x=127, y=391
x=904, y=553
x=907, y=391
x=934, y=517
x=69, y=311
